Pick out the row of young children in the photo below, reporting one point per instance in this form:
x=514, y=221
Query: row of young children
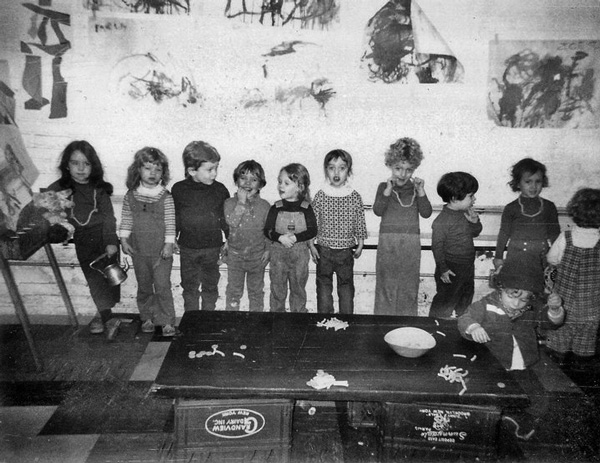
x=330, y=228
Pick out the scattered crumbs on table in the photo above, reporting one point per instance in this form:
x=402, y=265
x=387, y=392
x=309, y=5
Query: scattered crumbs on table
x=454, y=375
x=333, y=323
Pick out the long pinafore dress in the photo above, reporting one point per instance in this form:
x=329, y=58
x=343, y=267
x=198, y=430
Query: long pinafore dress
x=578, y=283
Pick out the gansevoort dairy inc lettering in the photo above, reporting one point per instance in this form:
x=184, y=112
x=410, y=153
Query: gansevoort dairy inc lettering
x=235, y=423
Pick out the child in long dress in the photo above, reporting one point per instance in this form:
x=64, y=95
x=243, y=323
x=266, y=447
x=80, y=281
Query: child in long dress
x=399, y=202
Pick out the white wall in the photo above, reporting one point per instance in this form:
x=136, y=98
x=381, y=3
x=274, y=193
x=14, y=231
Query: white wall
x=225, y=58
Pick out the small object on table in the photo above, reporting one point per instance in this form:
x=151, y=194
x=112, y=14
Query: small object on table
x=454, y=375
x=324, y=380
x=334, y=323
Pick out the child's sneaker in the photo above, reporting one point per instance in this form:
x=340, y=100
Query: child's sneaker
x=148, y=327
x=112, y=327
x=96, y=325
x=168, y=331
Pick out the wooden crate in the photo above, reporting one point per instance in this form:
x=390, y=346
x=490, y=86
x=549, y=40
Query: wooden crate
x=234, y=430
x=437, y=431
x=364, y=414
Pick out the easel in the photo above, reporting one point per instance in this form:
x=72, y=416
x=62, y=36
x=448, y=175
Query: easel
x=21, y=247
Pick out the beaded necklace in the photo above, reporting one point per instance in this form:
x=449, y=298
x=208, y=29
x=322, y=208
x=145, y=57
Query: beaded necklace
x=95, y=209
x=531, y=215
x=412, y=201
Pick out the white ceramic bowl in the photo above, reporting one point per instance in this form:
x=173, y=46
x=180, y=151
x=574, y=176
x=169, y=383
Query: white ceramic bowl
x=409, y=341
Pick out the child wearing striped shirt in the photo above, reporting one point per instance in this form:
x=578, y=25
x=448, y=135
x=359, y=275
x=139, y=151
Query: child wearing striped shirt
x=341, y=233
x=147, y=234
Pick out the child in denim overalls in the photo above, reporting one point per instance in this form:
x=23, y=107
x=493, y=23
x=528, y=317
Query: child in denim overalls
x=147, y=234
x=247, y=247
x=291, y=223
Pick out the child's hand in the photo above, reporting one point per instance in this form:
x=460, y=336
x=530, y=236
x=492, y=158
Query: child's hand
x=167, y=251
x=242, y=195
x=314, y=253
x=554, y=302
x=111, y=250
x=127, y=248
x=419, y=186
x=445, y=277
x=479, y=334
x=498, y=263
x=358, y=251
x=471, y=215
x=288, y=240
x=265, y=257
x=389, y=186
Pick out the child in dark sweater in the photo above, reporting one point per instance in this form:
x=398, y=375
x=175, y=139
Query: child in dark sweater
x=452, y=245
x=200, y=225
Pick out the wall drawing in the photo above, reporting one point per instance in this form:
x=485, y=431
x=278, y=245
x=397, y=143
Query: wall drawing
x=144, y=76
x=403, y=46
x=307, y=14
x=544, y=84
x=169, y=7
x=55, y=47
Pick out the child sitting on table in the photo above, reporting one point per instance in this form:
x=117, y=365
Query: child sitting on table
x=505, y=321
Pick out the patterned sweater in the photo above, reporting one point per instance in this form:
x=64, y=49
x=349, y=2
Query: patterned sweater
x=340, y=217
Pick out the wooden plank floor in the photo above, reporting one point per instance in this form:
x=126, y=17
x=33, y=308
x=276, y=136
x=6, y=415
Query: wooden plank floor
x=93, y=403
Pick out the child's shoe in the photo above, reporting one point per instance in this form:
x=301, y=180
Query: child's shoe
x=148, y=327
x=168, y=331
x=112, y=327
x=96, y=325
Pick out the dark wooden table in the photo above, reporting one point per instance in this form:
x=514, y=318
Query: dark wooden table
x=415, y=411
x=285, y=350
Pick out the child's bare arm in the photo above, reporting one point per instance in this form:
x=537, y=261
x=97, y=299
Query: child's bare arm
x=359, y=248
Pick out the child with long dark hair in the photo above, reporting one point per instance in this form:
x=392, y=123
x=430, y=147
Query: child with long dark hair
x=147, y=234
x=95, y=224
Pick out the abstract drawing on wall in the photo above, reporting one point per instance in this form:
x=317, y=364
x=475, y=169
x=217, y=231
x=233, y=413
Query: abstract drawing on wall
x=306, y=14
x=320, y=91
x=17, y=171
x=544, y=84
x=145, y=76
x=404, y=46
x=169, y=7
x=55, y=45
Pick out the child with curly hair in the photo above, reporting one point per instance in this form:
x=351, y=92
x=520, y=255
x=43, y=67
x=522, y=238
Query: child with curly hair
x=147, y=234
x=399, y=201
